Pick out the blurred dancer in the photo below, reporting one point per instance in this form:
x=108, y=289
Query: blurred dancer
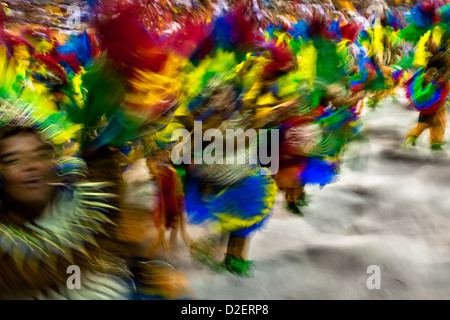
x=427, y=91
x=231, y=198
x=171, y=208
x=51, y=220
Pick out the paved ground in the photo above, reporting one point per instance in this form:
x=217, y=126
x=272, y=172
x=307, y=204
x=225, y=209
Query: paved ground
x=389, y=208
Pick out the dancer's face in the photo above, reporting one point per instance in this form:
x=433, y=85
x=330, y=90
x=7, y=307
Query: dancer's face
x=430, y=75
x=26, y=164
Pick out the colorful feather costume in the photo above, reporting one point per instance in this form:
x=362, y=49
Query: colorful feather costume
x=314, y=135
x=227, y=198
